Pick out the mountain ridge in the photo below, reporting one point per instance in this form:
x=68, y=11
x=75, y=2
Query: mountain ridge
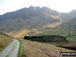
x=33, y=19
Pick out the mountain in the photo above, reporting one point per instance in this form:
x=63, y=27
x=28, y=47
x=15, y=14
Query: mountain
x=33, y=20
x=66, y=17
x=67, y=28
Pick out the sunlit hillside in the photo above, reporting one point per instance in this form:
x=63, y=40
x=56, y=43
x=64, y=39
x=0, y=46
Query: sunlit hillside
x=5, y=40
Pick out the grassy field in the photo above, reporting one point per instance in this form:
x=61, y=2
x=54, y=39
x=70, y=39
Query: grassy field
x=38, y=49
x=4, y=41
x=72, y=37
x=69, y=44
x=21, y=50
x=57, y=32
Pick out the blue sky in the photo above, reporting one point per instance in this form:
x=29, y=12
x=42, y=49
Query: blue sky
x=2, y=2
x=59, y=5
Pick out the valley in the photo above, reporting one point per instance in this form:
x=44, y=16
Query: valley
x=39, y=21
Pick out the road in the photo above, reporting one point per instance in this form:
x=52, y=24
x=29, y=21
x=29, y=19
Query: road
x=11, y=50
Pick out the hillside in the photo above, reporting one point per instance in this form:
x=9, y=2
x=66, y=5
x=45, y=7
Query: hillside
x=67, y=29
x=29, y=19
x=36, y=20
x=66, y=17
x=5, y=40
x=39, y=49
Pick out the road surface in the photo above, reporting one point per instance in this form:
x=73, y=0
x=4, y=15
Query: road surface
x=11, y=50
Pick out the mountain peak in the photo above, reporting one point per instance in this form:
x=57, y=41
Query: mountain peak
x=73, y=11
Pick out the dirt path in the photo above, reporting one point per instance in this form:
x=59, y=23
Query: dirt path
x=11, y=50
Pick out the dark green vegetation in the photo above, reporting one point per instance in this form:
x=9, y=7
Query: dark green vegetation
x=49, y=38
x=71, y=38
x=56, y=40
x=68, y=45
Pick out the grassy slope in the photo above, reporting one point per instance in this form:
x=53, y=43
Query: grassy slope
x=51, y=32
x=21, y=50
x=56, y=31
x=64, y=31
x=37, y=49
x=72, y=37
x=69, y=44
x=4, y=41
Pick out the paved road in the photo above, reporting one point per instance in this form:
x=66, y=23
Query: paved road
x=11, y=50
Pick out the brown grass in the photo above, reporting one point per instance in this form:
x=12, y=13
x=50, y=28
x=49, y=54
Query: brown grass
x=4, y=41
x=37, y=49
x=69, y=44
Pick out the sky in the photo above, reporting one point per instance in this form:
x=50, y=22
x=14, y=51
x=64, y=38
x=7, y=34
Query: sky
x=59, y=5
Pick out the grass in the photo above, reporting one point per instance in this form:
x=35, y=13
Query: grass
x=38, y=49
x=58, y=32
x=69, y=44
x=4, y=41
x=21, y=50
x=72, y=37
x=49, y=32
